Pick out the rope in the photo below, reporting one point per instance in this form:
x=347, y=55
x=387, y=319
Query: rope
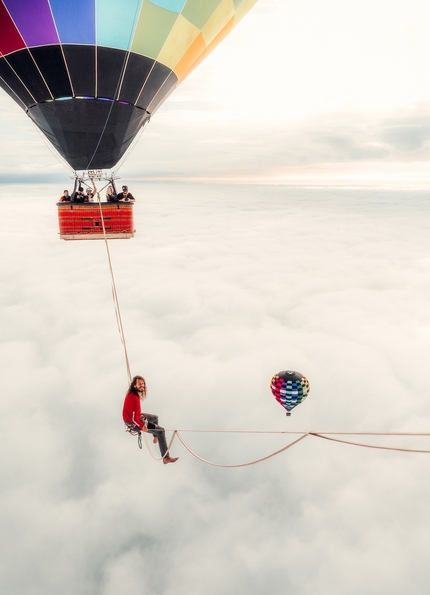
x=115, y=295
x=419, y=434
x=242, y=464
x=323, y=435
x=168, y=447
x=370, y=445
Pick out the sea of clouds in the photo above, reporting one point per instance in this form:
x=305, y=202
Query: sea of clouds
x=222, y=287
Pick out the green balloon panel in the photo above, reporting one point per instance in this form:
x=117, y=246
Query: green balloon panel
x=176, y=33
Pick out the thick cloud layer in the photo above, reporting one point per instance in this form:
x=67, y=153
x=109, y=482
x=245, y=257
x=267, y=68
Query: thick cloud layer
x=222, y=287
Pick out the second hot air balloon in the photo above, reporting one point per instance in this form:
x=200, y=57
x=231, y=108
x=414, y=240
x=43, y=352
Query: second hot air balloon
x=290, y=389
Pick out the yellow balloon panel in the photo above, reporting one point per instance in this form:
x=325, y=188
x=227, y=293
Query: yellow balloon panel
x=218, y=20
x=207, y=50
x=184, y=66
x=180, y=39
x=181, y=34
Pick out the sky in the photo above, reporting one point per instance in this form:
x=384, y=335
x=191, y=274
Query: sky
x=282, y=223
x=300, y=92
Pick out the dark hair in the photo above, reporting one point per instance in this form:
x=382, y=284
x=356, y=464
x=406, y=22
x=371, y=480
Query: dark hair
x=80, y=188
x=133, y=389
x=65, y=191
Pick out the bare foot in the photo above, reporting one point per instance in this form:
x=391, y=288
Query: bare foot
x=167, y=460
x=155, y=440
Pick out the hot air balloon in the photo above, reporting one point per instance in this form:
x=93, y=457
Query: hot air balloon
x=90, y=73
x=289, y=389
x=95, y=221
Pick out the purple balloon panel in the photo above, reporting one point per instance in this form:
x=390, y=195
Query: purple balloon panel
x=10, y=39
x=33, y=20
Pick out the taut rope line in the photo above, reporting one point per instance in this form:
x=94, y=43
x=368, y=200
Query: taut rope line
x=371, y=445
x=115, y=295
x=323, y=435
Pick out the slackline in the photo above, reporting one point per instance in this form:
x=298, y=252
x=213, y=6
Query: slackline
x=302, y=436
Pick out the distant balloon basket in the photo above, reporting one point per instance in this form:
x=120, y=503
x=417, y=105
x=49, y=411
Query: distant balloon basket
x=289, y=389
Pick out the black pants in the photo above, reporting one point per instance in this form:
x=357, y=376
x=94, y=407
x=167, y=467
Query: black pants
x=157, y=431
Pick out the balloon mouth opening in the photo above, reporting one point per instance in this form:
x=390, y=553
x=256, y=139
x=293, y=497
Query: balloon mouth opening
x=89, y=98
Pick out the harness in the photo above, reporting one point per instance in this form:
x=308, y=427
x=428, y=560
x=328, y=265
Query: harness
x=131, y=429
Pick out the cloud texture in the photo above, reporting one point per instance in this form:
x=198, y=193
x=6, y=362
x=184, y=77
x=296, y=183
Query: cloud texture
x=222, y=287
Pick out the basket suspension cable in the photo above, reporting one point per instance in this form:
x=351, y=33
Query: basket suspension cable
x=55, y=153
x=131, y=148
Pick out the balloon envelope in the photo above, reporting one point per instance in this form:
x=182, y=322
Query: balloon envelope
x=289, y=389
x=90, y=73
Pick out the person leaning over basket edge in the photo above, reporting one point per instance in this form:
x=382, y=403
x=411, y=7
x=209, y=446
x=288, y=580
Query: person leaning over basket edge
x=125, y=195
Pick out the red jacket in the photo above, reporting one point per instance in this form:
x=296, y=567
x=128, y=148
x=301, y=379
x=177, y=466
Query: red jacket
x=131, y=410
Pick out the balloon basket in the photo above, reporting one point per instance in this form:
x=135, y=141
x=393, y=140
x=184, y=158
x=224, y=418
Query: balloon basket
x=83, y=221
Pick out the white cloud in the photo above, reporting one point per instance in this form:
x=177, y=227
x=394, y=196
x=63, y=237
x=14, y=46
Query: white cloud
x=222, y=287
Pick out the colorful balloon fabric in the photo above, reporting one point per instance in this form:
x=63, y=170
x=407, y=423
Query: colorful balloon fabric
x=90, y=73
x=290, y=389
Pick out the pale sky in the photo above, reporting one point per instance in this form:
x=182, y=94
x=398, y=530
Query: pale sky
x=300, y=92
